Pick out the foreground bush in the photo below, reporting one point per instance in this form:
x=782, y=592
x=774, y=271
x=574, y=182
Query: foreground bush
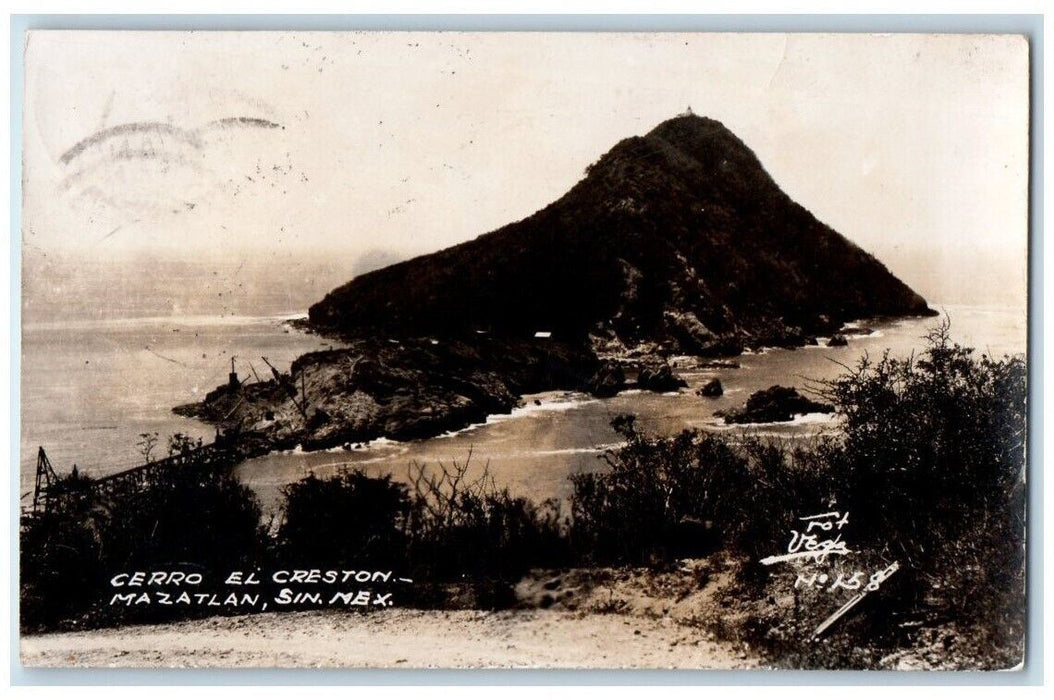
x=348, y=519
x=929, y=463
x=666, y=498
x=466, y=527
x=933, y=462
x=445, y=526
x=59, y=558
x=188, y=519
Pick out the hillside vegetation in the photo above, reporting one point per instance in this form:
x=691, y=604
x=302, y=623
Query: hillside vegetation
x=678, y=236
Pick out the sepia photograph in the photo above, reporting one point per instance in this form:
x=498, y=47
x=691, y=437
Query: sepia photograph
x=546, y=350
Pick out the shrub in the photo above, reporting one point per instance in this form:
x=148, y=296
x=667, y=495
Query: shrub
x=198, y=519
x=200, y=516
x=462, y=527
x=929, y=462
x=932, y=462
x=346, y=519
x=673, y=497
x=59, y=556
x=444, y=528
x=655, y=491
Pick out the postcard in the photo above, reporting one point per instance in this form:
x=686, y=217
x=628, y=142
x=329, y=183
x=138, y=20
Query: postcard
x=524, y=350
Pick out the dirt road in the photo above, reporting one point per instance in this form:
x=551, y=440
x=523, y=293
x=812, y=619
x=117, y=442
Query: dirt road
x=396, y=639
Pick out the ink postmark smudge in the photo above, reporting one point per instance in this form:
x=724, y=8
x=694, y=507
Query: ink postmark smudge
x=115, y=140
x=150, y=167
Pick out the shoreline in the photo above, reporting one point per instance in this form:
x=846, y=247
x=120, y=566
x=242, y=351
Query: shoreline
x=356, y=412
x=285, y=320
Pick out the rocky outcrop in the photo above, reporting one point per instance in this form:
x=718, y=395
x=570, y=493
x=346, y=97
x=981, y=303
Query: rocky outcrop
x=402, y=390
x=711, y=389
x=774, y=405
x=659, y=376
x=837, y=341
x=609, y=380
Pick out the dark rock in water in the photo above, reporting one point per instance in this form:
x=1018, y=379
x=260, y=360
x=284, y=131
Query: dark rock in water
x=811, y=340
x=856, y=330
x=608, y=381
x=686, y=328
x=190, y=410
x=837, y=341
x=659, y=377
x=712, y=388
x=777, y=404
x=779, y=334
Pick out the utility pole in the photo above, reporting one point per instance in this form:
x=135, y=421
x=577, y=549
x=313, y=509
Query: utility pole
x=232, y=378
x=290, y=387
x=46, y=478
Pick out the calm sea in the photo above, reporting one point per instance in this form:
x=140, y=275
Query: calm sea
x=89, y=388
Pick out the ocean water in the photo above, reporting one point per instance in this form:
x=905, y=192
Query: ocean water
x=90, y=388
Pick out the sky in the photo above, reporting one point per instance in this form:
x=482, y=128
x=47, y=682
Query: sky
x=350, y=150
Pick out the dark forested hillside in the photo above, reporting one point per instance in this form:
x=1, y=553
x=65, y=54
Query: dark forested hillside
x=679, y=236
